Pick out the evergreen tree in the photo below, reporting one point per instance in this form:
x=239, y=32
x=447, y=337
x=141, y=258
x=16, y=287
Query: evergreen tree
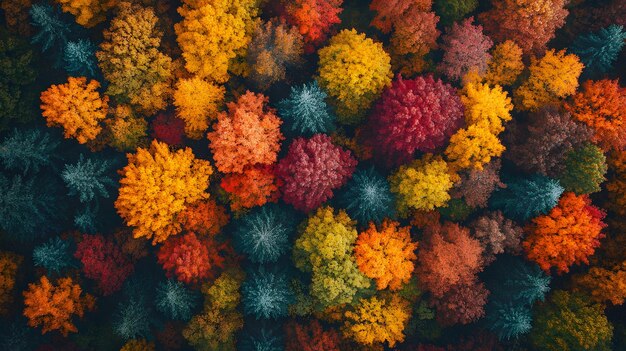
x=451, y=11
x=599, y=50
x=305, y=111
x=263, y=234
x=266, y=294
x=28, y=150
x=175, y=300
x=367, y=197
x=53, y=31
x=80, y=58
x=88, y=179
x=132, y=318
x=262, y=339
x=508, y=320
x=518, y=281
x=86, y=220
x=18, y=100
x=525, y=198
x=26, y=208
x=54, y=255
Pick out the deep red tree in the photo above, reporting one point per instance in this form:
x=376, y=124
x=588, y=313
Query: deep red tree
x=190, y=259
x=312, y=169
x=168, y=128
x=104, y=262
x=413, y=114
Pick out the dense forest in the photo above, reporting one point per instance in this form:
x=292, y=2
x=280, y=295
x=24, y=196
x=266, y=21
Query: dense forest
x=312, y=175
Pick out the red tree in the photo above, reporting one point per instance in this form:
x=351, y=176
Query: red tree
x=168, y=128
x=414, y=114
x=189, y=259
x=104, y=262
x=314, y=19
x=256, y=186
x=463, y=303
x=310, y=337
x=448, y=257
x=312, y=169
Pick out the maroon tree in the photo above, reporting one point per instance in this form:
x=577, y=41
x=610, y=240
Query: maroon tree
x=497, y=234
x=104, y=262
x=476, y=185
x=312, y=169
x=463, y=303
x=414, y=114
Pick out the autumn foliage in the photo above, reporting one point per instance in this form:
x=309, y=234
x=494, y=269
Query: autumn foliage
x=204, y=217
x=104, y=262
x=413, y=114
x=156, y=185
x=386, y=255
x=601, y=105
x=53, y=306
x=573, y=221
x=77, y=107
x=197, y=102
x=248, y=134
x=190, y=259
x=314, y=19
x=312, y=169
x=353, y=69
x=256, y=186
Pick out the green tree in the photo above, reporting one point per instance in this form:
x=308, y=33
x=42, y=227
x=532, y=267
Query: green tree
x=585, y=168
x=571, y=322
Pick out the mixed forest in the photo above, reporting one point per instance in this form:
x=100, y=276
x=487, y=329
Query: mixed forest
x=312, y=175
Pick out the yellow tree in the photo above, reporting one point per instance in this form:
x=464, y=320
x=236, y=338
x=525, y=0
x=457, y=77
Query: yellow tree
x=485, y=104
x=376, y=320
x=505, y=65
x=353, y=70
x=214, y=35
x=88, y=12
x=131, y=60
x=77, y=107
x=421, y=185
x=197, y=102
x=156, y=185
x=473, y=147
x=552, y=78
x=386, y=255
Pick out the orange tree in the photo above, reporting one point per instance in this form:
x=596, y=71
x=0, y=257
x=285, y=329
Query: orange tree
x=156, y=185
x=601, y=105
x=386, y=255
x=569, y=234
x=52, y=306
x=77, y=107
x=214, y=36
x=248, y=134
x=9, y=263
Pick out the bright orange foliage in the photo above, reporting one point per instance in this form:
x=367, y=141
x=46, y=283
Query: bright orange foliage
x=602, y=106
x=197, y=102
x=88, y=12
x=248, y=134
x=386, y=255
x=156, y=185
x=256, y=186
x=552, y=78
x=9, y=262
x=204, y=217
x=53, y=306
x=313, y=19
x=77, y=107
x=603, y=284
x=569, y=234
